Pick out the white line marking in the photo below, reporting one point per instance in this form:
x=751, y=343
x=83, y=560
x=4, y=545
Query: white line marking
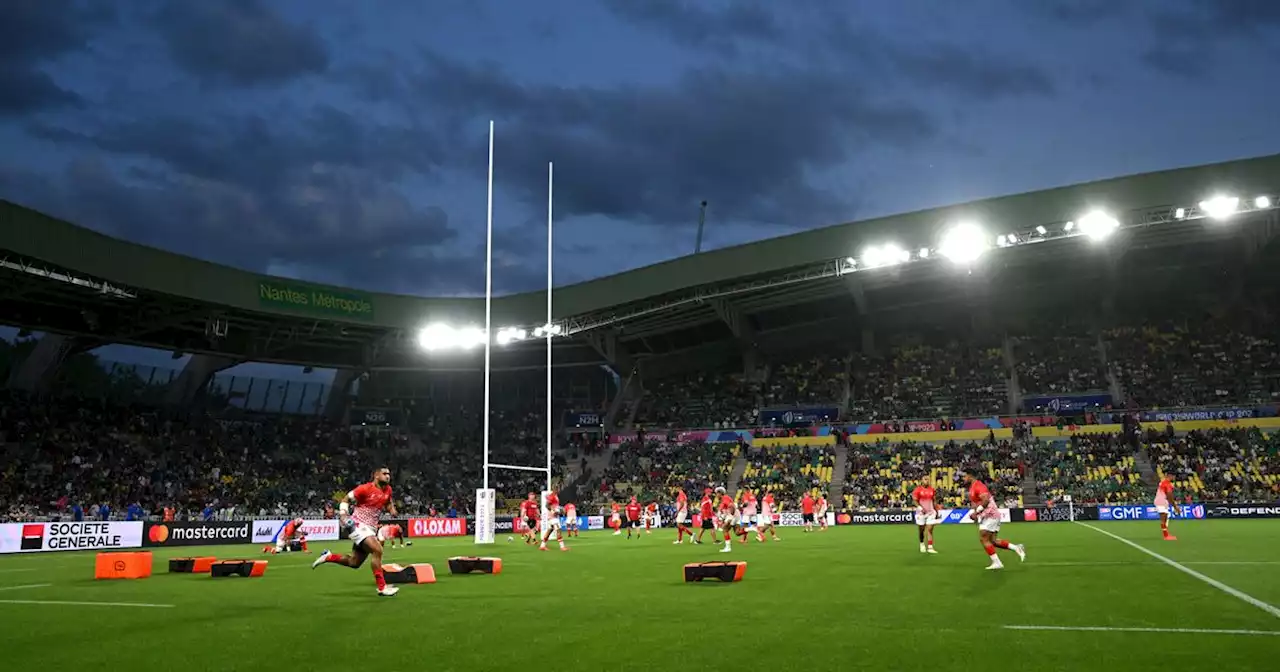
x=9, y=571
x=89, y=604
x=1193, y=631
x=1191, y=572
x=32, y=585
x=1109, y=563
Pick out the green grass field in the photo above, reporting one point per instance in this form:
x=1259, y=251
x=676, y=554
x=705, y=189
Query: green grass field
x=850, y=598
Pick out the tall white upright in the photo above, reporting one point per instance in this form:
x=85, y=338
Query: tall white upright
x=488, y=307
x=550, y=191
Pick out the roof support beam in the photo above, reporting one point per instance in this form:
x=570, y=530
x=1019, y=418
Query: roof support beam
x=742, y=330
x=605, y=342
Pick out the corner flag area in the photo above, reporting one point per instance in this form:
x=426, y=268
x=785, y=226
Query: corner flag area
x=850, y=598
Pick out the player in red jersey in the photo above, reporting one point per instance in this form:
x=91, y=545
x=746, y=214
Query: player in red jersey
x=370, y=500
x=747, y=508
x=806, y=511
x=571, y=519
x=529, y=512
x=553, y=522
x=633, y=517
x=615, y=519
x=987, y=516
x=650, y=517
x=707, y=512
x=291, y=531
x=765, y=521
x=730, y=520
x=390, y=534
x=926, y=513
x=1165, y=500
x=682, y=517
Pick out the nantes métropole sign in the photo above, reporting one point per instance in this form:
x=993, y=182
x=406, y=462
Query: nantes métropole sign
x=315, y=300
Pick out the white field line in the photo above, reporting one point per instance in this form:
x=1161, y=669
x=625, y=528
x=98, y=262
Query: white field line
x=10, y=571
x=1109, y=563
x=89, y=604
x=1179, y=631
x=30, y=585
x=1191, y=572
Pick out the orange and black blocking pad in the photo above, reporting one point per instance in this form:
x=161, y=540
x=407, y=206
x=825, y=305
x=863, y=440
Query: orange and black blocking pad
x=136, y=565
x=469, y=565
x=246, y=568
x=419, y=573
x=728, y=572
x=200, y=565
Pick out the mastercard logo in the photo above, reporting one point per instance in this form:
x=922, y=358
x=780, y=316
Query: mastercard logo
x=158, y=534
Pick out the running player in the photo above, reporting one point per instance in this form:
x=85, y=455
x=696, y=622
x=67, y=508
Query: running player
x=571, y=520
x=633, y=517
x=1164, y=500
x=371, y=499
x=553, y=522
x=650, y=517
x=749, y=505
x=765, y=521
x=529, y=511
x=707, y=512
x=987, y=516
x=682, y=517
x=926, y=514
x=389, y=534
x=730, y=523
x=822, y=512
x=806, y=510
x=615, y=520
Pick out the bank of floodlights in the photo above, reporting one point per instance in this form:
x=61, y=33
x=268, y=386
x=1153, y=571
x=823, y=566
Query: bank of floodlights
x=1220, y=207
x=888, y=254
x=1098, y=225
x=443, y=337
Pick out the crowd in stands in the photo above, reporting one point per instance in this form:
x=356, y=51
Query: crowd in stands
x=927, y=381
x=1059, y=359
x=700, y=400
x=1208, y=465
x=817, y=381
x=653, y=470
x=788, y=471
x=1091, y=468
x=882, y=475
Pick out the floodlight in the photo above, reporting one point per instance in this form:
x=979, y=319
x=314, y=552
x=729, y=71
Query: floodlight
x=924, y=253
x=1098, y=225
x=511, y=335
x=1001, y=240
x=884, y=255
x=1220, y=207
x=1180, y=213
x=1013, y=239
x=1041, y=230
x=436, y=337
x=1262, y=202
x=469, y=337
x=1069, y=226
x=963, y=243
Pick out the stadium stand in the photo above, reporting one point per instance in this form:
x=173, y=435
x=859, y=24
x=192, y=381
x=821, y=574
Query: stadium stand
x=883, y=474
x=788, y=471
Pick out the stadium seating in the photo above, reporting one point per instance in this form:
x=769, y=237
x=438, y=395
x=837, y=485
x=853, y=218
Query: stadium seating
x=882, y=475
x=1093, y=469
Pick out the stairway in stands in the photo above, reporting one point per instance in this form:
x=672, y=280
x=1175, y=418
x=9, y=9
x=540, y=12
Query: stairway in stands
x=735, y=475
x=835, y=494
x=1144, y=467
x=1030, y=491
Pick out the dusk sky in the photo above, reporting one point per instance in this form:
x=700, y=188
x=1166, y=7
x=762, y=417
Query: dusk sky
x=345, y=142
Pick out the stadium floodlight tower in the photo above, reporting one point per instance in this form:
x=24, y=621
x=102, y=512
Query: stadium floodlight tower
x=485, y=496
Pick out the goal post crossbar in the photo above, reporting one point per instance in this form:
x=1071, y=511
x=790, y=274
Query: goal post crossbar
x=494, y=465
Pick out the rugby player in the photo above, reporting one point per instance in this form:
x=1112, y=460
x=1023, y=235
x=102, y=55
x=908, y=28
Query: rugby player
x=765, y=521
x=529, y=511
x=370, y=500
x=987, y=516
x=1165, y=500
x=682, y=517
x=707, y=513
x=633, y=517
x=926, y=513
x=571, y=520
x=553, y=522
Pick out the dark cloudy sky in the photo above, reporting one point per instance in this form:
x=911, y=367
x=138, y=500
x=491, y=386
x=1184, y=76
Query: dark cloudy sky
x=344, y=141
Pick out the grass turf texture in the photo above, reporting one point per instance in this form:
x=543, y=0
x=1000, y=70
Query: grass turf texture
x=850, y=598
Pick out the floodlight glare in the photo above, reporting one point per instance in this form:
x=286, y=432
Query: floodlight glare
x=1041, y=230
x=1001, y=240
x=1220, y=207
x=924, y=253
x=963, y=243
x=884, y=255
x=511, y=335
x=436, y=337
x=1068, y=226
x=1262, y=202
x=1098, y=225
x=1180, y=213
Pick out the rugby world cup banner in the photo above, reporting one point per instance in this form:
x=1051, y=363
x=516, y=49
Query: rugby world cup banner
x=82, y=536
x=1202, y=414
x=323, y=529
x=1147, y=512
x=793, y=417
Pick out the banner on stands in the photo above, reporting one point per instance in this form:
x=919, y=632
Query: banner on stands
x=375, y=416
x=1067, y=403
x=437, y=527
x=197, y=533
x=1198, y=414
x=1147, y=512
x=799, y=416
x=903, y=516
x=318, y=529
x=1243, y=510
x=587, y=419
x=81, y=536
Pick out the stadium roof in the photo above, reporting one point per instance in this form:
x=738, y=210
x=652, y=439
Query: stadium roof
x=66, y=278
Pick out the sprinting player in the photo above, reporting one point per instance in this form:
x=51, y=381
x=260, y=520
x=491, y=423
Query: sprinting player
x=926, y=514
x=529, y=511
x=633, y=517
x=707, y=511
x=1164, y=500
x=615, y=520
x=390, y=534
x=571, y=519
x=765, y=521
x=370, y=500
x=553, y=522
x=806, y=511
x=822, y=512
x=987, y=516
x=682, y=517
x=730, y=523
